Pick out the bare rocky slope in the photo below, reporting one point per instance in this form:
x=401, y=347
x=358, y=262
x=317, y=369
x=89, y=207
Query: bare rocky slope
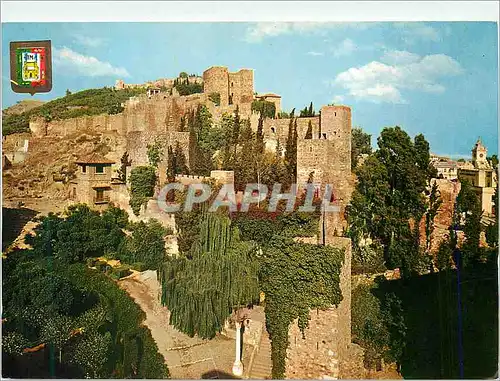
x=49, y=166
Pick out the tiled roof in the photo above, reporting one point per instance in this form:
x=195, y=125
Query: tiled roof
x=93, y=158
x=272, y=95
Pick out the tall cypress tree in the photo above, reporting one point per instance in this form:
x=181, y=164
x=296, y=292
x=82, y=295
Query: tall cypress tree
x=180, y=160
x=310, y=111
x=193, y=143
x=171, y=165
x=236, y=129
x=309, y=133
x=260, y=136
x=291, y=149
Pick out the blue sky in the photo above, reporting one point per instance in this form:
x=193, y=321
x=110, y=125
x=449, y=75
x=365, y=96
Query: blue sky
x=439, y=79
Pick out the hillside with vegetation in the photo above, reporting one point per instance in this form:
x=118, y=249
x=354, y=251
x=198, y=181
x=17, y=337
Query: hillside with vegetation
x=87, y=102
x=63, y=314
x=22, y=106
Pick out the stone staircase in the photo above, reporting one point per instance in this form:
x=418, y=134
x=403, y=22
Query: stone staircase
x=262, y=364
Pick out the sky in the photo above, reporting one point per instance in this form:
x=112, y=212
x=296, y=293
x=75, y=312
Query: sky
x=438, y=79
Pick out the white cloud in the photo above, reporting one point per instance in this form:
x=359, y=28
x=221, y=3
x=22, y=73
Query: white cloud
x=345, y=48
x=414, y=31
x=313, y=53
x=382, y=82
x=86, y=65
x=258, y=31
x=399, y=57
x=338, y=99
x=92, y=42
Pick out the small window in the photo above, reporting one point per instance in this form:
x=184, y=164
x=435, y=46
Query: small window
x=99, y=195
x=99, y=169
x=84, y=169
x=324, y=136
x=272, y=130
x=310, y=149
x=232, y=84
x=335, y=113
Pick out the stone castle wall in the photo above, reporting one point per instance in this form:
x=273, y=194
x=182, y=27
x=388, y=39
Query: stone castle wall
x=329, y=159
x=325, y=348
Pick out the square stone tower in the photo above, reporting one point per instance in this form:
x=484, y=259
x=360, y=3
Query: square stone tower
x=233, y=88
x=327, y=158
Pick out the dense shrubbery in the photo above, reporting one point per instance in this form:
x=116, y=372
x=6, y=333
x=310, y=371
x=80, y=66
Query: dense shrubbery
x=267, y=109
x=85, y=234
x=183, y=86
x=373, y=323
x=296, y=278
x=86, y=322
x=215, y=98
x=90, y=102
x=142, y=184
x=89, y=326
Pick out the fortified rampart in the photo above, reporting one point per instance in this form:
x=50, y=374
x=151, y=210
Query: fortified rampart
x=326, y=346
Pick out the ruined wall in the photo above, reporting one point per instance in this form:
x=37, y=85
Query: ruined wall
x=326, y=346
x=15, y=147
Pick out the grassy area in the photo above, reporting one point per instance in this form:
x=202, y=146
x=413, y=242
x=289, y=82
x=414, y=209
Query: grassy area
x=431, y=314
x=86, y=102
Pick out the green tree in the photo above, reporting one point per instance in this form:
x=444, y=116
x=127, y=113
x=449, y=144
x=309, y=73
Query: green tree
x=171, y=165
x=360, y=144
x=220, y=276
x=91, y=353
x=493, y=159
x=396, y=179
x=291, y=149
x=57, y=330
x=469, y=209
x=154, y=152
x=434, y=202
x=259, y=148
x=68, y=92
x=181, y=166
x=146, y=244
x=492, y=229
x=142, y=184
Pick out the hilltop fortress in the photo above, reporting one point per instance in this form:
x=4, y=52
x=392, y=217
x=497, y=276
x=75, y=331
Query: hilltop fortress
x=325, y=157
x=158, y=116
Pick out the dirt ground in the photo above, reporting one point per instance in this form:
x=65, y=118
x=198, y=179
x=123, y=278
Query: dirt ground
x=186, y=357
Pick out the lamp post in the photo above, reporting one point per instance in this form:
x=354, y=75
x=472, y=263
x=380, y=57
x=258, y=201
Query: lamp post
x=238, y=365
x=239, y=317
